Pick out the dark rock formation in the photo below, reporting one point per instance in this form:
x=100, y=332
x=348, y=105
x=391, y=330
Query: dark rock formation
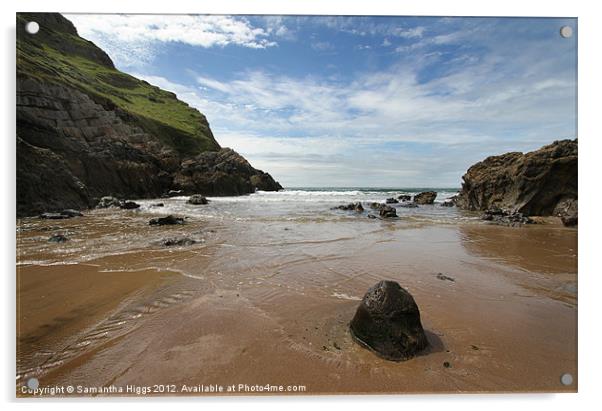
x=408, y=205
x=391, y=201
x=426, y=197
x=388, y=322
x=448, y=203
x=178, y=242
x=197, y=199
x=85, y=129
x=538, y=183
x=169, y=220
x=223, y=172
x=350, y=207
x=569, y=221
x=387, y=211
x=376, y=206
x=129, y=205
x=405, y=197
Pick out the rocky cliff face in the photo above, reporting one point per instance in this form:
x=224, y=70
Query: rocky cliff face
x=85, y=130
x=539, y=183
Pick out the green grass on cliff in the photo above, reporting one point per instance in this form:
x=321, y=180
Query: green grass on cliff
x=56, y=55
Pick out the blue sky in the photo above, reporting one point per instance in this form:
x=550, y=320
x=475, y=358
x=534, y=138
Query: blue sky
x=358, y=101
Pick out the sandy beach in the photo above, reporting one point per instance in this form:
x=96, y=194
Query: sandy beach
x=268, y=301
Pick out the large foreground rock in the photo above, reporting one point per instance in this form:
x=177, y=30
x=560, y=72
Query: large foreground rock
x=388, y=322
x=539, y=183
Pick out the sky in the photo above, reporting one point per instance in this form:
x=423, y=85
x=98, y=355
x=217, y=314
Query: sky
x=328, y=101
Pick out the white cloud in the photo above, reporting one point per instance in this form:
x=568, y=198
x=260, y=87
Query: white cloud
x=134, y=39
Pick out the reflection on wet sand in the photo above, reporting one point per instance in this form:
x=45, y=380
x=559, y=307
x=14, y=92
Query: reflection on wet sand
x=545, y=254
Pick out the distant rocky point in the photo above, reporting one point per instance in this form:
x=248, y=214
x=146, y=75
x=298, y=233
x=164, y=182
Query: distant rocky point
x=538, y=183
x=86, y=130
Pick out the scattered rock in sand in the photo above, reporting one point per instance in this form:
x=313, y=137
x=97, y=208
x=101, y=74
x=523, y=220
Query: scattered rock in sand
x=129, y=205
x=178, y=242
x=350, y=207
x=108, y=201
x=388, y=322
x=53, y=216
x=57, y=238
x=391, y=201
x=446, y=364
x=426, y=197
x=474, y=347
x=72, y=213
x=169, y=220
x=387, y=211
x=405, y=197
x=444, y=277
x=505, y=217
x=197, y=199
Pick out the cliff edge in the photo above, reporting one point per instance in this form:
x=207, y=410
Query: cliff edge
x=86, y=130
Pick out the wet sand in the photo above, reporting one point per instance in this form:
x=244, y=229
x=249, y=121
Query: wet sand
x=269, y=303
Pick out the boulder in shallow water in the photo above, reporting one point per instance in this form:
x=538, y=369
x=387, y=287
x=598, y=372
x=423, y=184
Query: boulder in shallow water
x=57, y=238
x=391, y=201
x=178, y=242
x=197, y=199
x=387, y=211
x=129, y=205
x=388, y=323
x=169, y=220
x=158, y=205
x=408, y=205
x=350, y=207
x=108, y=201
x=426, y=197
x=72, y=213
x=405, y=197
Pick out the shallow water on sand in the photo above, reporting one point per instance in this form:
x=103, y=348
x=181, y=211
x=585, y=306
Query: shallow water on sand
x=266, y=294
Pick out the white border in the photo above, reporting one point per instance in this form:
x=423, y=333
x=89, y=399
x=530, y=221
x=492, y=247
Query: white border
x=589, y=150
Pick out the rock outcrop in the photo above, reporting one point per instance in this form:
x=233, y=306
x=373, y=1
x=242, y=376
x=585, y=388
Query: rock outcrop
x=86, y=130
x=538, y=183
x=426, y=197
x=388, y=322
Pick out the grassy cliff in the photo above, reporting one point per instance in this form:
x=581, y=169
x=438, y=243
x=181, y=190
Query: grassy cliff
x=56, y=54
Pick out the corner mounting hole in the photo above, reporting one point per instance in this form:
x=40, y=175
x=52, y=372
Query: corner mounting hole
x=566, y=379
x=566, y=31
x=32, y=27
